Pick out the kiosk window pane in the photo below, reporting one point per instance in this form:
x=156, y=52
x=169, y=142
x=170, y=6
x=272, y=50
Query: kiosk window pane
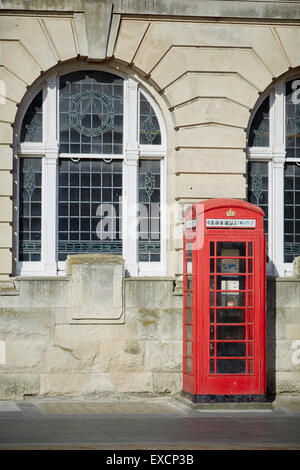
x=231, y=265
x=231, y=332
x=188, y=364
x=188, y=332
x=230, y=315
x=231, y=249
x=228, y=299
x=231, y=366
x=233, y=283
x=231, y=349
x=189, y=315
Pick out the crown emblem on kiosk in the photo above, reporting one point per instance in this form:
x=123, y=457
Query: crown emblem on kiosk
x=230, y=213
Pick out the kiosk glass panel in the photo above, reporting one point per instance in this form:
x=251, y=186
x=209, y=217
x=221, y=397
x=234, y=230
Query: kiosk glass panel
x=231, y=294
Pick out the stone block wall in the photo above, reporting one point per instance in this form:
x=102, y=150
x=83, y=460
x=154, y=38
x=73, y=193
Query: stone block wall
x=44, y=351
x=283, y=335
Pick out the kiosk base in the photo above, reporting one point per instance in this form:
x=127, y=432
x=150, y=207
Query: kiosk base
x=225, y=398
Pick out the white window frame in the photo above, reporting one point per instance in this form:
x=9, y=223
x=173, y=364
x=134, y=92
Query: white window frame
x=275, y=155
x=48, y=149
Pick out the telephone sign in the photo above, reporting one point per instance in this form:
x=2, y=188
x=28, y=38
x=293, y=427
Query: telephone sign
x=224, y=302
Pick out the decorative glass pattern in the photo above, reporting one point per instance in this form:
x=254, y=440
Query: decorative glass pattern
x=30, y=208
x=259, y=130
x=258, y=182
x=32, y=125
x=292, y=113
x=149, y=207
x=149, y=125
x=291, y=212
x=91, y=113
x=89, y=207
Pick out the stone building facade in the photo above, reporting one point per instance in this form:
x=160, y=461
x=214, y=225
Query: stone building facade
x=170, y=102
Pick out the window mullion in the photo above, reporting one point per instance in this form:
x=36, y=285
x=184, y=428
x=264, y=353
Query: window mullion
x=50, y=181
x=130, y=201
x=278, y=180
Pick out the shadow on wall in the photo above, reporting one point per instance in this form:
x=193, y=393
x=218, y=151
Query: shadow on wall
x=271, y=338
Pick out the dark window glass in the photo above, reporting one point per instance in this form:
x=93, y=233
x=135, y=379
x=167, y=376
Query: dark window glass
x=32, y=125
x=231, y=349
x=259, y=130
x=230, y=332
x=231, y=366
x=230, y=315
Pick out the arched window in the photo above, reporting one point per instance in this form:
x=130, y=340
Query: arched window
x=274, y=172
x=90, y=149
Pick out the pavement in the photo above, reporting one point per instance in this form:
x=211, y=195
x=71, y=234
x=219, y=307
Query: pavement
x=148, y=423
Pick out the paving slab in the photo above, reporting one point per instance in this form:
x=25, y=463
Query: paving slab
x=8, y=407
x=75, y=408
x=289, y=403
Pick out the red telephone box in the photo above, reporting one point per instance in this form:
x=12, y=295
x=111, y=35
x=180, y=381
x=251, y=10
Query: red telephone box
x=224, y=347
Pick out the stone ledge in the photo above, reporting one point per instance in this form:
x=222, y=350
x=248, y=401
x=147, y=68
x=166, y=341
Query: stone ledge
x=189, y=8
x=150, y=278
x=283, y=279
x=9, y=288
x=92, y=258
x=41, y=278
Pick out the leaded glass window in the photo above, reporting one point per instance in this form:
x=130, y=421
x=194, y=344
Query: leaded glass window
x=291, y=212
x=149, y=125
x=274, y=173
x=89, y=207
x=292, y=107
x=91, y=113
x=30, y=208
x=258, y=187
x=81, y=132
x=259, y=130
x=32, y=125
x=149, y=209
